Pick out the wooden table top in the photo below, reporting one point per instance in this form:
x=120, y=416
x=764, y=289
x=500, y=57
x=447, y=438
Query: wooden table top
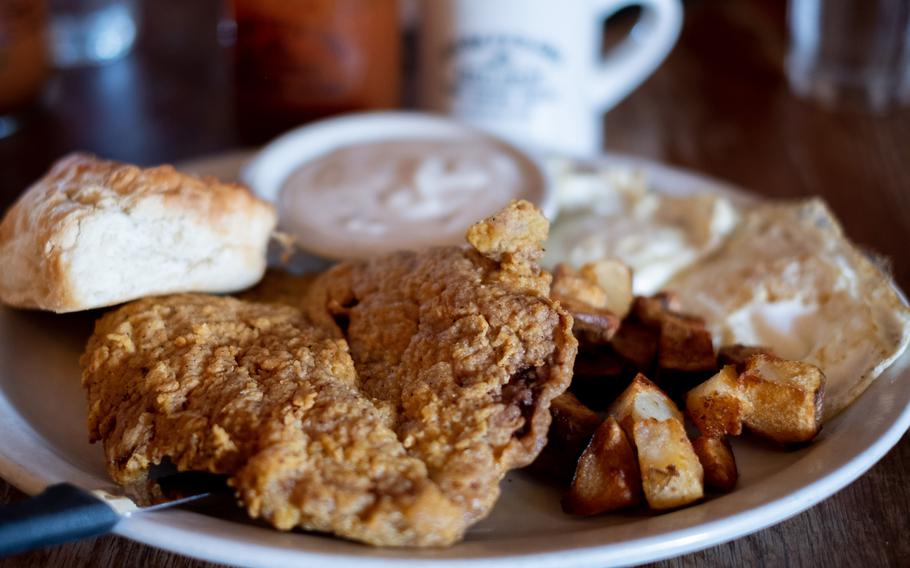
x=719, y=105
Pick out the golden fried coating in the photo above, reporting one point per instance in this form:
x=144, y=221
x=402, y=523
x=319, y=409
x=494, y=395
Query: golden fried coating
x=279, y=287
x=255, y=392
x=463, y=347
x=456, y=357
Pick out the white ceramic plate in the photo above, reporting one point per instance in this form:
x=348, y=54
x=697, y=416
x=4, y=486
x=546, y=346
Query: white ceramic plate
x=43, y=440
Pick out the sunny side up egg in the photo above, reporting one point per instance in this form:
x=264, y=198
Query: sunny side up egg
x=787, y=278
x=780, y=275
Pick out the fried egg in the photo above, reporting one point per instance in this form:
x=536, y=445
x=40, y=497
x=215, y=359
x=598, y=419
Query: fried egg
x=776, y=274
x=612, y=214
x=787, y=278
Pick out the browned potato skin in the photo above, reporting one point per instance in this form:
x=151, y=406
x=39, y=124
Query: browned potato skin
x=571, y=430
x=637, y=343
x=650, y=310
x=670, y=470
x=615, y=279
x=657, y=334
x=671, y=473
x=722, y=410
x=626, y=410
x=685, y=354
x=607, y=477
x=587, y=302
x=600, y=374
x=738, y=355
x=592, y=325
x=685, y=345
x=783, y=413
x=716, y=457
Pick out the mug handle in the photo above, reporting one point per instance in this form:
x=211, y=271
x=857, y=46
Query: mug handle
x=628, y=64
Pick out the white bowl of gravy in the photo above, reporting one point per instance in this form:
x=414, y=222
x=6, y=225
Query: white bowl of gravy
x=365, y=184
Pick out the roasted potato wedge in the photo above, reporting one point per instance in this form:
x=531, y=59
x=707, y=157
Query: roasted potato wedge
x=607, y=475
x=685, y=354
x=615, y=279
x=637, y=343
x=583, y=296
x=685, y=345
x=592, y=325
x=600, y=375
x=786, y=398
x=738, y=355
x=650, y=310
x=671, y=475
x=570, y=431
x=716, y=457
x=719, y=405
x=640, y=401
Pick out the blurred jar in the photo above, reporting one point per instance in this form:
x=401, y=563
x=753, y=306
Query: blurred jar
x=298, y=60
x=87, y=32
x=851, y=54
x=23, y=58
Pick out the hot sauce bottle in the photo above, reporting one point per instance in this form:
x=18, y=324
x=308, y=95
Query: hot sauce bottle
x=23, y=57
x=298, y=60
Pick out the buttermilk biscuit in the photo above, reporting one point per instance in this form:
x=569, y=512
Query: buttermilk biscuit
x=95, y=233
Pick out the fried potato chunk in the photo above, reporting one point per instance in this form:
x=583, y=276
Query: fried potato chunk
x=685, y=345
x=615, y=279
x=786, y=397
x=607, y=476
x=671, y=473
x=716, y=457
x=681, y=343
x=642, y=400
x=738, y=355
x=719, y=405
x=637, y=343
x=587, y=301
x=591, y=325
x=571, y=430
x=600, y=375
x=650, y=310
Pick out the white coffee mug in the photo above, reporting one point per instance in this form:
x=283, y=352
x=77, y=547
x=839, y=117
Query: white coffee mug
x=532, y=71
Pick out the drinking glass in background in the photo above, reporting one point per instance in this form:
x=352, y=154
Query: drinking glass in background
x=850, y=53
x=88, y=32
x=23, y=59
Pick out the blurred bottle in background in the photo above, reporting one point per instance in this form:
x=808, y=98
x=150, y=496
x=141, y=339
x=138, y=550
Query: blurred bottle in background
x=850, y=53
x=298, y=60
x=87, y=32
x=23, y=59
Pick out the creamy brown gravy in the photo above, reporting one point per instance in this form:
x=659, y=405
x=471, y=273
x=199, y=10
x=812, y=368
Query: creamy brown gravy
x=376, y=197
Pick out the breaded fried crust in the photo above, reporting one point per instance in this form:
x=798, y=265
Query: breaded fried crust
x=464, y=347
x=458, y=353
x=255, y=392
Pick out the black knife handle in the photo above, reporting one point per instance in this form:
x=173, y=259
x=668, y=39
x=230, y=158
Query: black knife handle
x=61, y=513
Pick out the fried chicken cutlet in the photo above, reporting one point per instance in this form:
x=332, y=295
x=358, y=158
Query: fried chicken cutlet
x=402, y=446
x=462, y=345
x=256, y=392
